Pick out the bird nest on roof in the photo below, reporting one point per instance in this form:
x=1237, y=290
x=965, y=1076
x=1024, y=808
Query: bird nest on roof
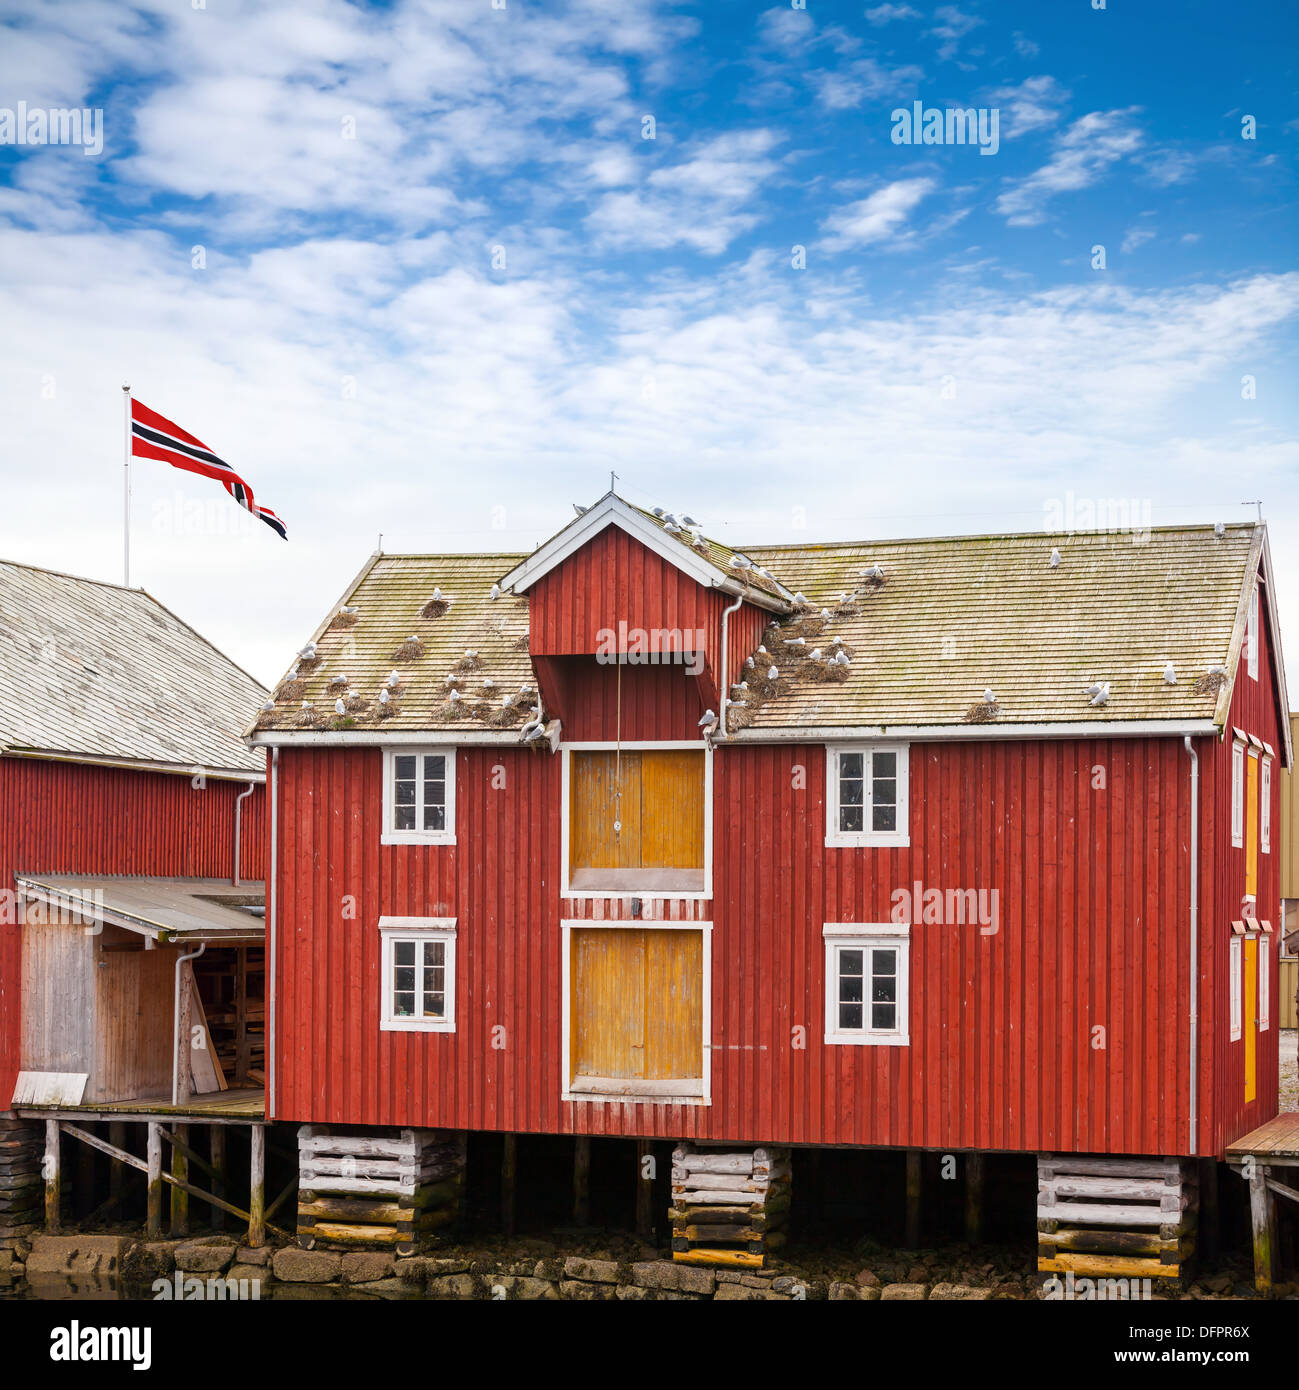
x=739, y=716
x=508, y=717
x=1211, y=683
x=436, y=607
x=410, y=650
x=982, y=712
x=471, y=661
x=342, y=620
x=291, y=690
x=824, y=672
x=313, y=717
x=389, y=709
x=520, y=643
x=307, y=664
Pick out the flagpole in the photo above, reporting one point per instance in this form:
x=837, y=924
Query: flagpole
x=126, y=500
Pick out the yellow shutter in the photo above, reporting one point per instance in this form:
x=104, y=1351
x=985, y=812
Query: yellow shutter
x=1251, y=824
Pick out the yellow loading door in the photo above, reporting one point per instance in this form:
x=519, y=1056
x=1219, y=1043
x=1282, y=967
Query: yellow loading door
x=1251, y=824
x=1250, y=1019
x=636, y=1004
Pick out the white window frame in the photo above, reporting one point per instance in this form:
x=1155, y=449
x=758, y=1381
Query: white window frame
x=391, y=836
x=1251, y=635
x=1264, y=983
x=419, y=930
x=686, y=1091
x=1235, y=957
x=865, y=936
x=850, y=839
x=631, y=890
x=1238, y=794
x=1265, y=807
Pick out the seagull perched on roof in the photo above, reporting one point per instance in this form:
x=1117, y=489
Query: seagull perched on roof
x=825, y=615
x=708, y=720
x=383, y=697
x=537, y=731
x=394, y=680
x=748, y=663
x=1055, y=559
x=796, y=641
x=454, y=697
x=339, y=679
x=698, y=541
x=293, y=675
x=988, y=697
x=437, y=593
x=496, y=592
x=876, y=573
x=507, y=701
x=841, y=659
x=532, y=724
x=348, y=611
x=800, y=600
x=339, y=707
x=814, y=654
x=658, y=512
x=471, y=656
x=488, y=683
x=579, y=509
x=762, y=651
x=773, y=674
x=736, y=562
x=836, y=641
x=1217, y=669
x=671, y=527
x=306, y=704
x=741, y=685
x=451, y=679
x=308, y=653
x=268, y=706
x=1170, y=675
x=688, y=520
x=1099, y=692
x=1219, y=529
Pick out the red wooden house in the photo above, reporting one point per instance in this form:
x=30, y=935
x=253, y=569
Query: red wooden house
x=955, y=844
x=132, y=844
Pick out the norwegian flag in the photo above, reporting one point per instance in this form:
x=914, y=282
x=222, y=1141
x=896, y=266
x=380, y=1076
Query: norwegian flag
x=153, y=436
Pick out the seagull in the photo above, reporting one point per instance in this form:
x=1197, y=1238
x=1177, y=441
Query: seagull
x=841, y=659
x=451, y=679
x=306, y=704
x=1218, y=528
x=1170, y=675
x=308, y=653
x=471, y=656
x=748, y=663
x=687, y=520
x=736, y=563
x=1217, y=669
x=800, y=600
x=339, y=680
x=488, y=683
x=580, y=510
x=773, y=674
x=843, y=599
x=708, y=720
x=496, y=591
x=348, y=611
x=437, y=593
x=814, y=654
x=268, y=706
x=762, y=651
x=394, y=680
x=658, y=512
x=672, y=528
x=339, y=707
x=507, y=701
x=1099, y=692
x=536, y=732
x=825, y=615
x=796, y=641
x=876, y=573
x=383, y=697
x=293, y=675
x=836, y=641
x=1055, y=559
x=988, y=697
x=454, y=697
x=741, y=685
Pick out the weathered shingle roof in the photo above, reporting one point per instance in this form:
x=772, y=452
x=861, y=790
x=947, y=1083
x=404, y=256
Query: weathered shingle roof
x=957, y=616
x=390, y=597
x=720, y=556
x=951, y=618
x=95, y=672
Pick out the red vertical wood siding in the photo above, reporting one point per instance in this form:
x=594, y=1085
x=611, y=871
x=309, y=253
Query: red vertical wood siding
x=657, y=703
x=76, y=819
x=1092, y=934
x=1255, y=709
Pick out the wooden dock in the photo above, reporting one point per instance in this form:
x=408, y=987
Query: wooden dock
x=241, y=1106
x=1258, y=1156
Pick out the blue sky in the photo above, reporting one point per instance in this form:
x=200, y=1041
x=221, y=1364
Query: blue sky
x=414, y=268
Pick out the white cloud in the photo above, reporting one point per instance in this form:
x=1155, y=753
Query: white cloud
x=1081, y=155
x=1025, y=47
x=886, y=14
x=952, y=26
x=1031, y=105
x=882, y=216
x=1137, y=236
x=861, y=81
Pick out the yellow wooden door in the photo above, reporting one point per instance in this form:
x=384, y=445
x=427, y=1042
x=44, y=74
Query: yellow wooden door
x=636, y=1003
x=672, y=809
x=1250, y=1020
x=595, y=806
x=1251, y=824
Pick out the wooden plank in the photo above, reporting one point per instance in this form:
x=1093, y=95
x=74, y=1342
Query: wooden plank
x=673, y=994
x=608, y=1003
x=672, y=809
x=257, y=1186
x=1050, y=1165
x=1113, y=1265
x=1108, y=1214
x=1128, y=1189
x=153, y=1223
x=729, y=1259
x=95, y=1142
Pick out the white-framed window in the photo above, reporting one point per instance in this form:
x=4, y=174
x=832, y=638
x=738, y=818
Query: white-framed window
x=1264, y=983
x=1238, y=794
x=866, y=794
x=1251, y=634
x=1235, y=987
x=867, y=982
x=1265, y=807
x=419, y=796
x=418, y=974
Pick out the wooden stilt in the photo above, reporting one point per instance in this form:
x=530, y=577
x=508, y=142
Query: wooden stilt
x=644, y=1188
x=1261, y=1222
x=974, y=1198
x=257, y=1186
x=217, y=1153
x=53, y=1185
x=509, y=1169
x=582, y=1181
x=179, y=1197
x=914, y=1171
x=1209, y=1219
x=153, y=1223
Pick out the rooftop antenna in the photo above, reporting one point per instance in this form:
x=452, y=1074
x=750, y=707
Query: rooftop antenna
x=380, y=542
x=1257, y=502
x=612, y=479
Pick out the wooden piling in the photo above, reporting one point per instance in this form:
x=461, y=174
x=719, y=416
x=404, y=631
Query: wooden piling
x=53, y=1187
x=582, y=1181
x=179, y=1196
x=217, y=1155
x=509, y=1171
x=1261, y=1223
x=257, y=1186
x=153, y=1223
x=973, y=1198
x=644, y=1189
x=914, y=1181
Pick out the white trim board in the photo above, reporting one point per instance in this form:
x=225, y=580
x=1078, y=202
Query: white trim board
x=655, y=1092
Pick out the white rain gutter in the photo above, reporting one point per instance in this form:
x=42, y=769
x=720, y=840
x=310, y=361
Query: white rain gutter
x=725, y=682
x=373, y=738
x=272, y=920
x=937, y=733
x=1195, y=930
x=239, y=806
x=175, y=1023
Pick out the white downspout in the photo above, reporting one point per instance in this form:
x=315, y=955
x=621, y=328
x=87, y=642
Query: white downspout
x=175, y=1023
x=271, y=921
x=1195, y=931
x=725, y=682
x=239, y=800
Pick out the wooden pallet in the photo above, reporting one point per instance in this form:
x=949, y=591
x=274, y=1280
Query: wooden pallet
x=389, y=1190
x=729, y=1207
x=1115, y=1217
